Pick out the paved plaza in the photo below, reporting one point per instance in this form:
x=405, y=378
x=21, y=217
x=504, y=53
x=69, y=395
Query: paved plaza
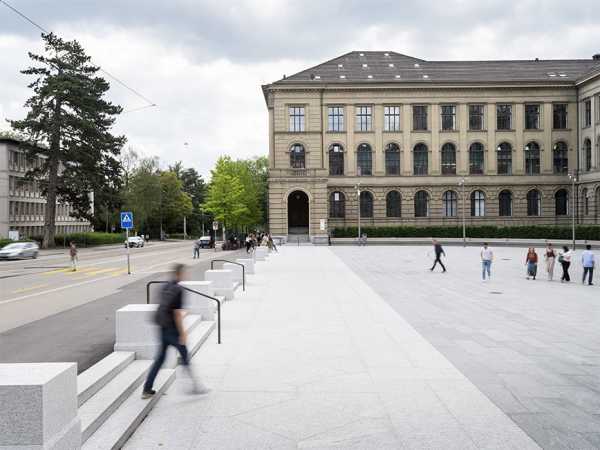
x=348, y=347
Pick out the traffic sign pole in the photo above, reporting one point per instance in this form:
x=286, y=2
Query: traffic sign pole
x=127, y=224
x=127, y=245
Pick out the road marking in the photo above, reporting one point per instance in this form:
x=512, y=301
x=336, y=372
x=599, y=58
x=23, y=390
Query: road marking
x=51, y=272
x=19, y=291
x=111, y=269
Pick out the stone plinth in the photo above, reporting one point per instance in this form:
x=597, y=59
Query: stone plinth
x=235, y=270
x=261, y=253
x=222, y=281
x=248, y=264
x=38, y=406
x=196, y=304
x=137, y=331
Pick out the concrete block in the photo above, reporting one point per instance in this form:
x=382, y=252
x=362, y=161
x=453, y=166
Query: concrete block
x=136, y=330
x=220, y=278
x=196, y=304
x=248, y=264
x=280, y=240
x=261, y=253
x=236, y=270
x=38, y=406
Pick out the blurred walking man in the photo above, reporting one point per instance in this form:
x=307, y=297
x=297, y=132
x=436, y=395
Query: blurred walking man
x=439, y=251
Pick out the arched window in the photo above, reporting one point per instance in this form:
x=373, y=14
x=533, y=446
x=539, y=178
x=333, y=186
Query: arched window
x=561, y=202
x=392, y=159
x=505, y=203
x=364, y=160
x=337, y=205
x=420, y=159
x=421, y=204
x=532, y=158
x=393, y=204
x=477, y=204
x=476, y=158
x=534, y=203
x=560, y=158
x=448, y=159
x=586, y=201
x=587, y=154
x=450, y=203
x=366, y=204
x=504, y=158
x=297, y=156
x=336, y=159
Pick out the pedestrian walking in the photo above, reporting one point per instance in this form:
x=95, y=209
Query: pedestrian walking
x=272, y=245
x=169, y=317
x=564, y=258
x=531, y=261
x=73, y=255
x=588, y=261
x=550, y=256
x=487, y=256
x=248, y=243
x=197, y=249
x=439, y=251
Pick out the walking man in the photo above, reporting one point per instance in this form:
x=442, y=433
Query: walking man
x=487, y=256
x=73, y=255
x=169, y=317
x=588, y=261
x=197, y=249
x=439, y=251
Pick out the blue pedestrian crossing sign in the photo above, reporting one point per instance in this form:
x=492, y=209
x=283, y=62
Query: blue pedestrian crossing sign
x=127, y=220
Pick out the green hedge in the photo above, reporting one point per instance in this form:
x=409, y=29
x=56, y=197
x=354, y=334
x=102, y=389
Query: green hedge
x=587, y=232
x=89, y=239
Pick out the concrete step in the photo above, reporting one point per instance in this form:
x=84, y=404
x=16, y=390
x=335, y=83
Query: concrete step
x=94, y=412
x=191, y=321
x=96, y=377
x=197, y=337
x=113, y=434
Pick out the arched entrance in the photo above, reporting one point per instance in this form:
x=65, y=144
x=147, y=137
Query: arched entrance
x=298, y=215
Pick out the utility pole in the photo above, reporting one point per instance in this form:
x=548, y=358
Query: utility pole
x=464, y=227
x=573, y=178
x=184, y=228
x=357, y=187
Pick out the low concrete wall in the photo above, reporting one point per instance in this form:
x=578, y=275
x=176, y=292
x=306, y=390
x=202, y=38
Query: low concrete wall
x=196, y=304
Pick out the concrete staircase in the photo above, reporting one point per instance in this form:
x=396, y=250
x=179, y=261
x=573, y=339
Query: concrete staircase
x=293, y=239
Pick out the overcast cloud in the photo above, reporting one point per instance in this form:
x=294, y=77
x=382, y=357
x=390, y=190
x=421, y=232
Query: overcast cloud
x=203, y=62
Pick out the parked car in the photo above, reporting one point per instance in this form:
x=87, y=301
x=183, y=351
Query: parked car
x=206, y=242
x=134, y=241
x=20, y=250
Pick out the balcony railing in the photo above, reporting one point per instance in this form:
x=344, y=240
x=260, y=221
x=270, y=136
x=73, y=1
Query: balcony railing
x=293, y=172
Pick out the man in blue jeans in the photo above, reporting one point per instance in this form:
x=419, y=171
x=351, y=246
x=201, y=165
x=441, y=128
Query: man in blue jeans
x=169, y=316
x=588, y=262
x=487, y=256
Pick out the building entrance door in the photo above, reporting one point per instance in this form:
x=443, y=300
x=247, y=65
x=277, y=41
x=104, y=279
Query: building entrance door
x=298, y=213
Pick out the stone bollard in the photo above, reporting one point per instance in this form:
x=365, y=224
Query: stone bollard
x=248, y=264
x=137, y=331
x=235, y=270
x=222, y=282
x=261, y=253
x=196, y=304
x=38, y=406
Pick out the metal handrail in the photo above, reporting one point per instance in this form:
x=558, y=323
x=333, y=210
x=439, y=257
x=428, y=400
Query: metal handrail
x=195, y=292
x=212, y=265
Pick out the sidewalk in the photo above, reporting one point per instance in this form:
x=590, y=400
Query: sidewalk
x=313, y=358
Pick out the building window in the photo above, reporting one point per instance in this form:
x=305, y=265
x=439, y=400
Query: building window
x=505, y=204
x=532, y=158
x=450, y=203
x=587, y=113
x=504, y=158
x=392, y=159
x=559, y=121
x=448, y=117
x=560, y=158
x=337, y=205
x=532, y=117
x=448, y=159
x=476, y=117
x=366, y=204
x=421, y=204
x=364, y=160
x=561, y=202
x=587, y=155
x=503, y=117
x=393, y=204
x=476, y=159
x=420, y=160
x=477, y=204
x=364, y=118
x=296, y=118
x=335, y=118
x=297, y=156
x=419, y=117
x=336, y=159
x=586, y=202
x=391, y=118
x=534, y=203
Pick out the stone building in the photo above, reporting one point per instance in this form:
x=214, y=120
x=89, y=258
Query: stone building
x=22, y=208
x=420, y=139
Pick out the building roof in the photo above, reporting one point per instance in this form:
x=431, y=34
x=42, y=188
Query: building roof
x=392, y=67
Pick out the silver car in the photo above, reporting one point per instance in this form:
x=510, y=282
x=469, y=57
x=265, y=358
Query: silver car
x=20, y=250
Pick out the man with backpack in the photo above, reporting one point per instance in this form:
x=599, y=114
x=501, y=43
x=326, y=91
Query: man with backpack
x=169, y=317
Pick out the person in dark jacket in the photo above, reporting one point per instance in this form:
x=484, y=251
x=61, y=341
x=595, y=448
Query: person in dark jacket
x=439, y=251
x=169, y=317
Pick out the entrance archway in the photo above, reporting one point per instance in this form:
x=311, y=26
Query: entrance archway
x=298, y=213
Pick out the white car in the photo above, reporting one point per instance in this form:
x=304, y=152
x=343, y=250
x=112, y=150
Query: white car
x=20, y=250
x=134, y=241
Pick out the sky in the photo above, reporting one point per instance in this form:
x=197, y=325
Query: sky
x=203, y=62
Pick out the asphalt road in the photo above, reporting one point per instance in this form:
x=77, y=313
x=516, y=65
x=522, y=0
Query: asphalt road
x=49, y=313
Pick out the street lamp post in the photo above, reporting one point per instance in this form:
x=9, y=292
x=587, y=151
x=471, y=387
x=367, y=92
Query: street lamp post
x=357, y=187
x=573, y=178
x=461, y=183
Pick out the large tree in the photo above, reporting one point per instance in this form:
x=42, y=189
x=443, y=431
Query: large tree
x=68, y=124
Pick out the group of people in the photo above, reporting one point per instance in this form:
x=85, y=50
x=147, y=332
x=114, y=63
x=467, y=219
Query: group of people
x=254, y=240
x=551, y=255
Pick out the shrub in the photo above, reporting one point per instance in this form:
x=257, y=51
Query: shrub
x=89, y=239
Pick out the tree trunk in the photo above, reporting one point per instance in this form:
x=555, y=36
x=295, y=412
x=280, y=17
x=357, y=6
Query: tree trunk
x=50, y=217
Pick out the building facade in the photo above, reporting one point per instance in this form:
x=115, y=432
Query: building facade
x=424, y=140
x=22, y=208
